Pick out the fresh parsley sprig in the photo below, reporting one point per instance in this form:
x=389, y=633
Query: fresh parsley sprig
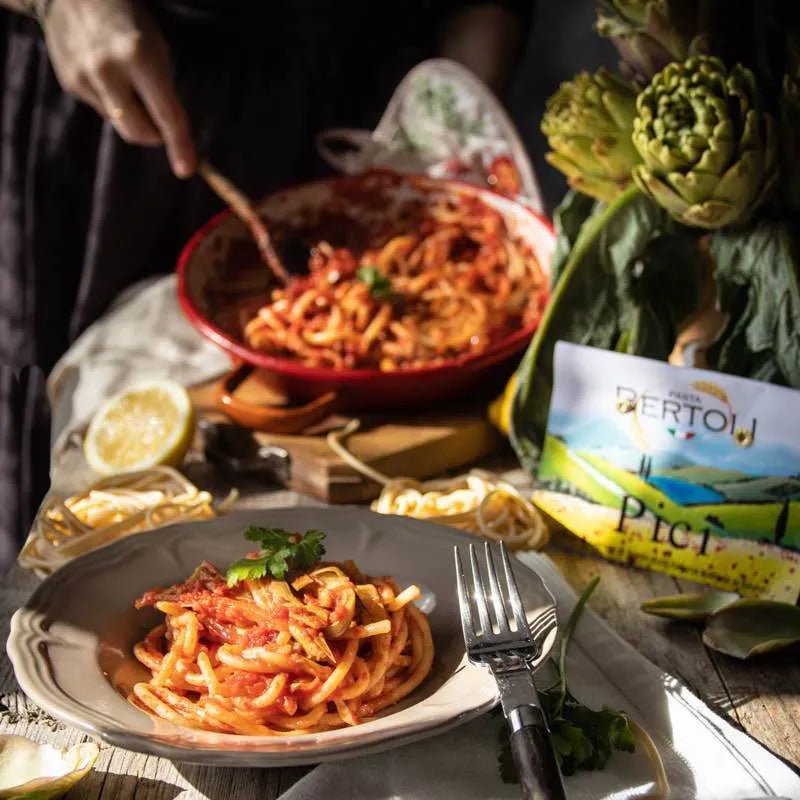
x=281, y=551
x=584, y=739
x=380, y=287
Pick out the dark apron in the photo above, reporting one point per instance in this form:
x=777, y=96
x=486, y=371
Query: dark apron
x=83, y=215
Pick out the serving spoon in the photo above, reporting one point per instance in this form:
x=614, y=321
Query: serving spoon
x=244, y=209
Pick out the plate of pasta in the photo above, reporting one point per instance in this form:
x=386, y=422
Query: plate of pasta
x=323, y=634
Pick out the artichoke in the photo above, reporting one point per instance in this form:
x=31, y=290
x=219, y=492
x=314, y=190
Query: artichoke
x=649, y=34
x=709, y=155
x=588, y=123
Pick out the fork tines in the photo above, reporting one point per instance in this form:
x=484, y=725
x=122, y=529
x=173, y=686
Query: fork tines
x=498, y=630
x=543, y=621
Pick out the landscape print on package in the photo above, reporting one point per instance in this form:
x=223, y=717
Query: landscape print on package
x=675, y=469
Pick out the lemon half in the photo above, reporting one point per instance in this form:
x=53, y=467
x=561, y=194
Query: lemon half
x=139, y=428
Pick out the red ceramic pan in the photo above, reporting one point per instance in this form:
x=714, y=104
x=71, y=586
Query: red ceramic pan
x=221, y=283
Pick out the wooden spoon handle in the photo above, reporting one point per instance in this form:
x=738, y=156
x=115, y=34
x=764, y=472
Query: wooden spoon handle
x=243, y=209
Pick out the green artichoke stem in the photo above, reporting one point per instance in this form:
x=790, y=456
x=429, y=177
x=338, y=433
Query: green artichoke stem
x=588, y=234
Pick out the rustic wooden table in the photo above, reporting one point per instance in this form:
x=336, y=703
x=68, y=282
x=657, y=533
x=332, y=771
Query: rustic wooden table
x=762, y=697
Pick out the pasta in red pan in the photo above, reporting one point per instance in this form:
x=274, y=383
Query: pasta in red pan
x=451, y=282
x=405, y=291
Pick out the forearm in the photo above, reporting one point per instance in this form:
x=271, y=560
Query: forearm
x=486, y=39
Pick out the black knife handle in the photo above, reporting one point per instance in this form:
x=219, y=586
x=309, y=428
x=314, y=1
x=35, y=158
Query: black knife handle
x=534, y=756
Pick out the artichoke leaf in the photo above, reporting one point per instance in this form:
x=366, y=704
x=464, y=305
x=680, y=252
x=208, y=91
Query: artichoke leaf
x=751, y=627
x=694, y=187
x=33, y=771
x=573, y=157
x=594, y=187
x=692, y=607
x=735, y=183
x=755, y=265
x=660, y=191
x=630, y=273
x=716, y=158
x=568, y=219
x=711, y=214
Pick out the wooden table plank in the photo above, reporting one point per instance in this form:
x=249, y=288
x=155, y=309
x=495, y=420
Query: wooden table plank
x=765, y=694
x=762, y=696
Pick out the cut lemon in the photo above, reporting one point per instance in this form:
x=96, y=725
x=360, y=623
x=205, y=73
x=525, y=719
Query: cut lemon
x=139, y=428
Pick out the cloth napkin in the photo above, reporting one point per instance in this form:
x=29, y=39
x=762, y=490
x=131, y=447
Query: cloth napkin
x=704, y=756
x=145, y=335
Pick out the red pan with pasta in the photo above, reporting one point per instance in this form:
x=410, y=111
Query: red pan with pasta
x=413, y=360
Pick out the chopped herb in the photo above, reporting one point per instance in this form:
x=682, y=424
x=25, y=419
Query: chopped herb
x=583, y=739
x=380, y=287
x=281, y=551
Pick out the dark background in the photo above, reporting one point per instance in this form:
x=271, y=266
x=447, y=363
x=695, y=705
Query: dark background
x=560, y=42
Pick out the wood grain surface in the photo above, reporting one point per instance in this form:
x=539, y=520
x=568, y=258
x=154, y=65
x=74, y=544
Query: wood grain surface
x=413, y=445
x=761, y=697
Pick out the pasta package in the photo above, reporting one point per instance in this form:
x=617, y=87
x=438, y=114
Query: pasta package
x=675, y=469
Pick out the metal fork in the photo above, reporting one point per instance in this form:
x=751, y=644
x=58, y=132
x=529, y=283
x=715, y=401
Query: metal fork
x=504, y=643
x=544, y=629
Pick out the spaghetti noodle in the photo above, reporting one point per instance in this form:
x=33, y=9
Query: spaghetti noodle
x=112, y=508
x=449, y=285
x=266, y=657
x=477, y=502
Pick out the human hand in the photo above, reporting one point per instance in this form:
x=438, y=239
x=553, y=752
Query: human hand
x=485, y=38
x=110, y=54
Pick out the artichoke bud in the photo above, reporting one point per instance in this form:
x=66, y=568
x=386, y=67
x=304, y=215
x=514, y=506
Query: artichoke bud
x=649, y=34
x=588, y=123
x=709, y=156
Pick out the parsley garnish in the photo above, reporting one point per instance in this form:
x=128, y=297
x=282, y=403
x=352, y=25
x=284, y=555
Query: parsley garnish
x=380, y=287
x=582, y=738
x=281, y=551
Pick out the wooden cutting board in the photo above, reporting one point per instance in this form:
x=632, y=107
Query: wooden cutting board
x=418, y=446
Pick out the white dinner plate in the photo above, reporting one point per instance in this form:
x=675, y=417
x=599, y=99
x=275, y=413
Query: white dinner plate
x=71, y=644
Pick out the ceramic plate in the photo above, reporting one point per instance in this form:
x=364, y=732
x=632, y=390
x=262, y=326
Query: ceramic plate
x=71, y=645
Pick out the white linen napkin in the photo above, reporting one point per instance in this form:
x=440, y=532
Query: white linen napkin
x=145, y=335
x=705, y=757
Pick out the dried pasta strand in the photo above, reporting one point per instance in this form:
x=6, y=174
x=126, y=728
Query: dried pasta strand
x=112, y=508
x=662, y=790
x=477, y=502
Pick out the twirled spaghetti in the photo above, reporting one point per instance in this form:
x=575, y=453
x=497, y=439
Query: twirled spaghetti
x=451, y=283
x=332, y=648
x=112, y=508
x=477, y=502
